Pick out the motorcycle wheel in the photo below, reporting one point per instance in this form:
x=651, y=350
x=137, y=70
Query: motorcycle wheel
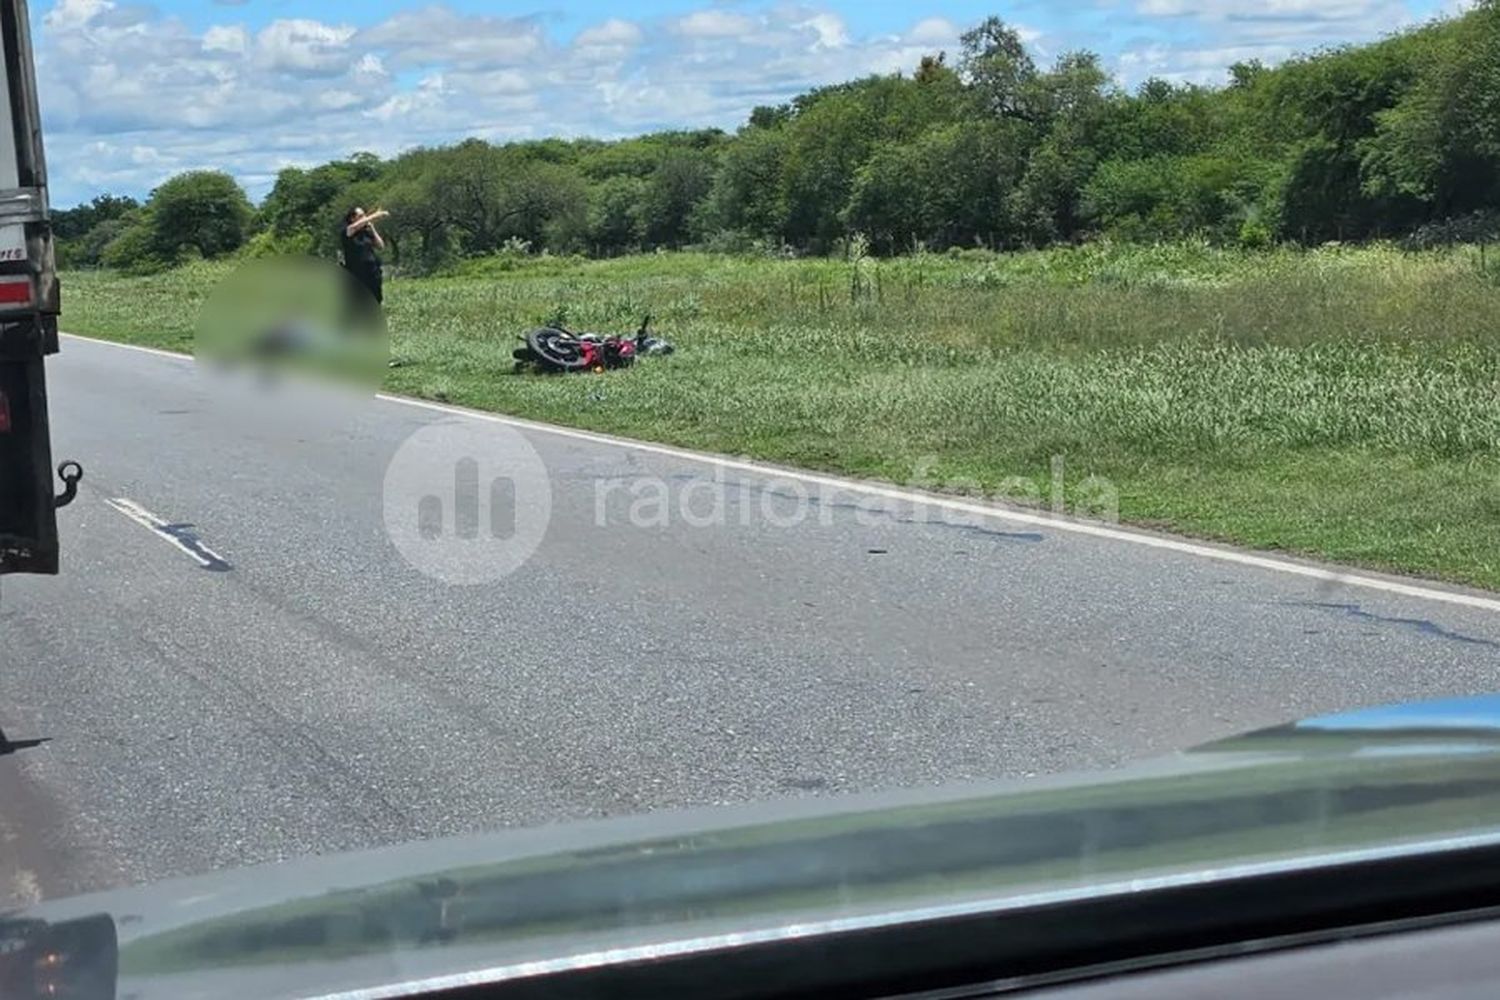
x=556, y=350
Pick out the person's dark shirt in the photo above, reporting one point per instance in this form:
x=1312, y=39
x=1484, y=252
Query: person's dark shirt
x=359, y=250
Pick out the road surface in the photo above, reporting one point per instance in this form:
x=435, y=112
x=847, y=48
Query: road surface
x=238, y=665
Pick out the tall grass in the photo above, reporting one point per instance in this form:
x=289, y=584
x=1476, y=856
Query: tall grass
x=1253, y=396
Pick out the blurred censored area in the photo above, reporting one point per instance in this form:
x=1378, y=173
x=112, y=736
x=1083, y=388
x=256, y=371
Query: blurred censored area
x=295, y=316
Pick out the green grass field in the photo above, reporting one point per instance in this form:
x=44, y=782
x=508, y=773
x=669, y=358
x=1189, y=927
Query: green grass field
x=1342, y=403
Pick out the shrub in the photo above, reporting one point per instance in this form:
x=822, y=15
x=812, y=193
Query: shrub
x=1255, y=234
x=267, y=243
x=134, y=250
x=1476, y=227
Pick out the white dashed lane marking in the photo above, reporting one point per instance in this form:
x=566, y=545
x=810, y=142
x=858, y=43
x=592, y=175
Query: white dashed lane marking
x=181, y=536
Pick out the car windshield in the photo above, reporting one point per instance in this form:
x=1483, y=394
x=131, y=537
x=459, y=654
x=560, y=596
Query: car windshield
x=491, y=418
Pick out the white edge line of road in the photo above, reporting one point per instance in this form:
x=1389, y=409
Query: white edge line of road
x=1077, y=527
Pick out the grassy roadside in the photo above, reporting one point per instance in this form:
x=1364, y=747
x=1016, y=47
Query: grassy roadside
x=1343, y=403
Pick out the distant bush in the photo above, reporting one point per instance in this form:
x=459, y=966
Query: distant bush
x=1255, y=234
x=268, y=244
x=972, y=254
x=1476, y=227
x=734, y=242
x=134, y=250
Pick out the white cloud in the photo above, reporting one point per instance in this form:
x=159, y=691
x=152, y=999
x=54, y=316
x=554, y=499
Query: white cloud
x=230, y=38
x=611, y=33
x=714, y=24
x=337, y=100
x=1320, y=10
x=1208, y=35
x=427, y=97
x=146, y=156
x=439, y=36
x=304, y=47
x=162, y=97
x=830, y=30
x=607, y=44
x=1203, y=66
x=368, y=70
x=70, y=14
x=934, y=31
x=494, y=82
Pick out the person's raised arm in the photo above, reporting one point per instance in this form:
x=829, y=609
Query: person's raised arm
x=366, y=220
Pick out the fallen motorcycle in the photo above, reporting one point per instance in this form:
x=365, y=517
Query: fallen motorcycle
x=556, y=349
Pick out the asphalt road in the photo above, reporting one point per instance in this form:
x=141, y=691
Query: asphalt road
x=269, y=676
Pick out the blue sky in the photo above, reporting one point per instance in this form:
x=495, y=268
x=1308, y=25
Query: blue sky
x=134, y=92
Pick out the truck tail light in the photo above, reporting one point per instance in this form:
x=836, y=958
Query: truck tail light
x=15, y=290
x=4, y=413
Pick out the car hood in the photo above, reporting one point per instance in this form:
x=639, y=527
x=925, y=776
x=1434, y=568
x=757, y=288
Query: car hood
x=1411, y=778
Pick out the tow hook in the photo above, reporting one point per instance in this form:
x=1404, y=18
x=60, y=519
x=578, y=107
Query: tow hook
x=71, y=473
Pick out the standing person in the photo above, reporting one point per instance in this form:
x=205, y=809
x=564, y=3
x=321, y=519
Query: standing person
x=360, y=240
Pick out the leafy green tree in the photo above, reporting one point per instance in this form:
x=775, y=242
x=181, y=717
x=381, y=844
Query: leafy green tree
x=542, y=201
x=134, y=248
x=680, y=182
x=417, y=228
x=1246, y=74
x=203, y=209
x=945, y=188
x=485, y=195
x=1163, y=119
x=615, y=223
x=71, y=223
x=82, y=232
x=747, y=194
x=1072, y=102
x=300, y=200
x=1439, y=145
x=562, y=210
x=837, y=129
x=1169, y=197
x=767, y=117
x=637, y=158
x=890, y=200
x=933, y=69
x=1330, y=105
x=1000, y=73
x=89, y=248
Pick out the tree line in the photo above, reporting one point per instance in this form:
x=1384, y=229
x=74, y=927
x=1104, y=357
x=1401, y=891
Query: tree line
x=1399, y=138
